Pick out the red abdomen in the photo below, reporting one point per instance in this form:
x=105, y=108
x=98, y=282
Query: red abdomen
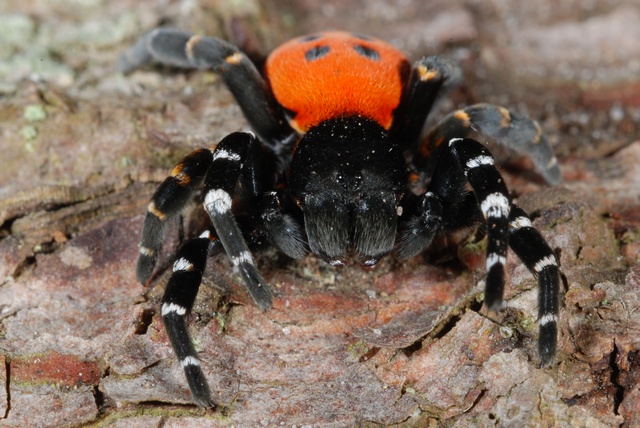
x=328, y=75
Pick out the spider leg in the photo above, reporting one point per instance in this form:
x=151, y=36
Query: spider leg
x=424, y=214
x=234, y=164
x=182, y=49
x=535, y=253
x=493, y=197
x=502, y=216
x=177, y=302
x=447, y=205
x=507, y=128
x=167, y=202
x=284, y=232
x=466, y=160
x=428, y=77
x=237, y=162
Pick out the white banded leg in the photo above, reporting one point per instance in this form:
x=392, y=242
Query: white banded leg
x=492, y=195
x=536, y=254
x=233, y=154
x=167, y=202
x=178, y=301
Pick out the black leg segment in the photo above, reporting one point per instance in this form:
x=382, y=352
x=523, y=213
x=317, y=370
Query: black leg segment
x=424, y=216
x=177, y=302
x=178, y=48
x=507, y=128
x=425, y=83
x=166, y=203
x=492, y=195
x=237, y=157
x=284, y=231
x=507, y=225
x=536, y=254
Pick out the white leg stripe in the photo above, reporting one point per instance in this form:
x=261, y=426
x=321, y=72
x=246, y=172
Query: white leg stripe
x=519, y=222
x=168, y=308
x=224, y=154
x=190, y=361
x=182, y=264
x=495, y=205
x=243, y=257
x=544, y=262
x=147, y=251
x=548, y=318
x=217, y=201
x=493, y=258
x=479, y=161
x=453, y=140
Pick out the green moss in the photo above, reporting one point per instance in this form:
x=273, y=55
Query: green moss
x=527, y=323
x=34, y=113
x=125, y=162
x=121, y=416
x=17, y=30
x=357, y=349
x=222, y=320
x=29, y=133
x=476, y=246
x=197, y=344
x=506, y=331
x=630, y=236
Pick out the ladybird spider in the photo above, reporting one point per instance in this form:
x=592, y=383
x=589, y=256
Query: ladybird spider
x=340, y=118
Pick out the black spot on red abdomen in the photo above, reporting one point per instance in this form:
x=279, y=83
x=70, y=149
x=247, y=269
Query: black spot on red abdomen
x=367, y=52
x=316, y=52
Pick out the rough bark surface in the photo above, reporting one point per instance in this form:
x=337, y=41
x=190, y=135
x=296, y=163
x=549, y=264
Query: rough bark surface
x=404, y=344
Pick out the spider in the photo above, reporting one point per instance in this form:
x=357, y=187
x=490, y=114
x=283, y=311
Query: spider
x=334, y=170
